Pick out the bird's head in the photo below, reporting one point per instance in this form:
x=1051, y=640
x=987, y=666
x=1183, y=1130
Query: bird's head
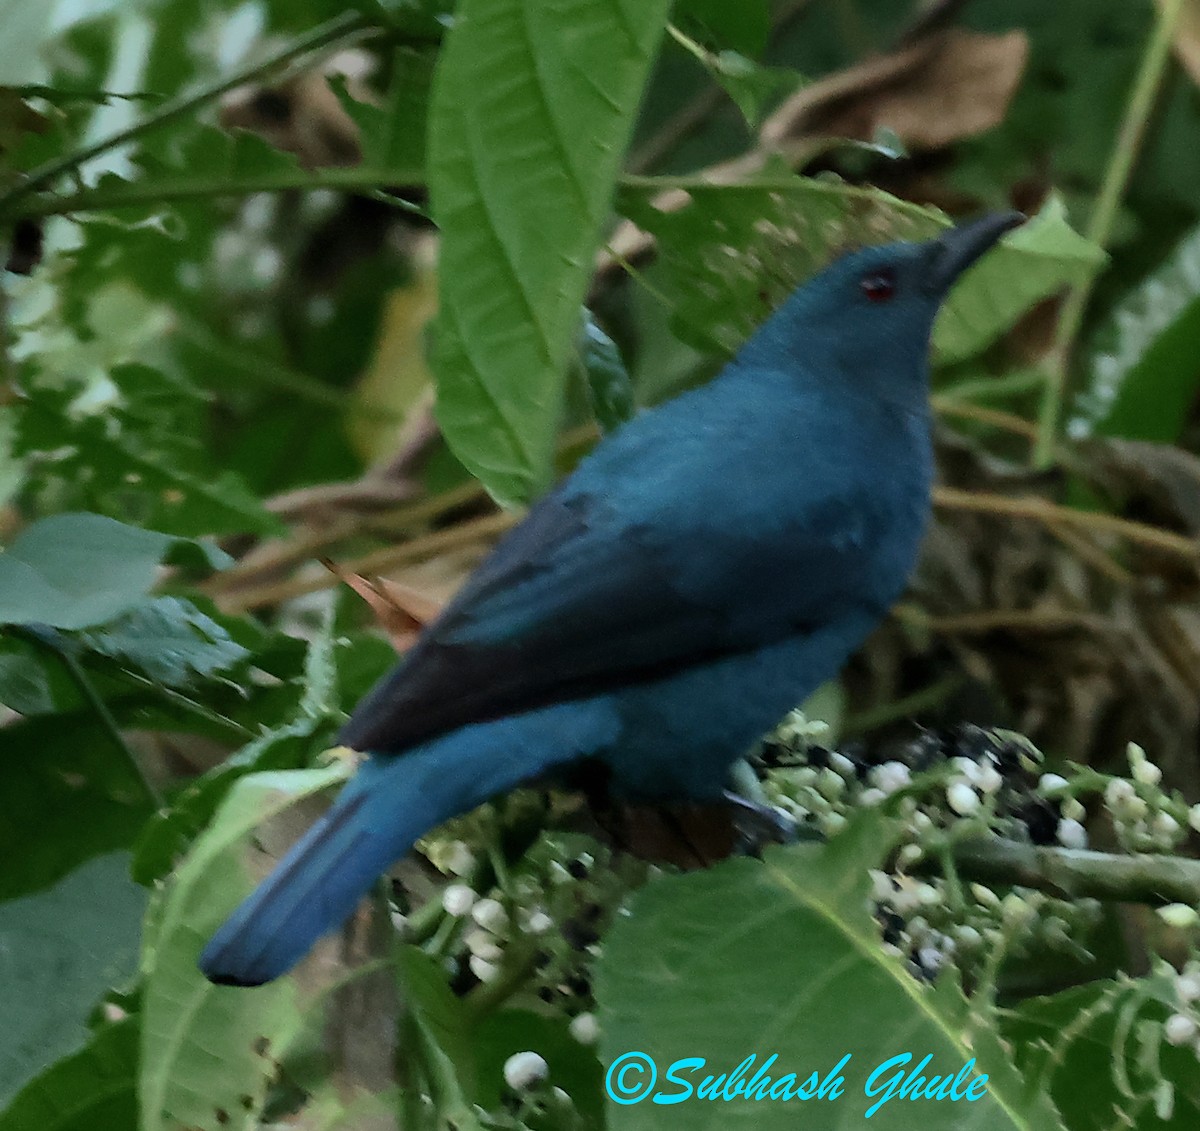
x=869, y=314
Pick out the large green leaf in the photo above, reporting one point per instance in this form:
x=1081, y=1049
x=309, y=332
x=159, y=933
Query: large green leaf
x=532, y=107
x=782, y=957
x=735, y=252
x=59, y=951
x=1144, y=371
x=94, y=1089
x=67, y=794
x=209, y=1052
x=78, y=570
x=1099, y=1051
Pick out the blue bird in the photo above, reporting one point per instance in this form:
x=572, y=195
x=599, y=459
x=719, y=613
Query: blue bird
x=698, y=575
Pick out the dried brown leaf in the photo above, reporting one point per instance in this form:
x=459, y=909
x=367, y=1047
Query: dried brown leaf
x=954, y=85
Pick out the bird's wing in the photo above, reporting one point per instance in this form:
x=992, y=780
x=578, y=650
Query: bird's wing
x=576, y=601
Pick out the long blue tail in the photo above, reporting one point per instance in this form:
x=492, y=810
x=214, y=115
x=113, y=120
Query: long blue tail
x=389, y=803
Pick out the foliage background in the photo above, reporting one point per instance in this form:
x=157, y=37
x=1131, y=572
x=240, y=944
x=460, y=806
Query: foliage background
x=222, y=324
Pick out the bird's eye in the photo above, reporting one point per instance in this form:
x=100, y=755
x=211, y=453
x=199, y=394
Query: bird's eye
x=879, y=286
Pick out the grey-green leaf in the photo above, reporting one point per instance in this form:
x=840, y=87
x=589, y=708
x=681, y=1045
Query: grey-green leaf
x=77, y=570
x=170, y=640
x=59, y=951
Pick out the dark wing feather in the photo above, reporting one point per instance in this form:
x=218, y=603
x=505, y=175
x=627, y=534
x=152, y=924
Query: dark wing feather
x=569, y=603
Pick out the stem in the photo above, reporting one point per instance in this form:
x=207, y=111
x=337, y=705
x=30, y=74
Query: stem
x=1075, y=873
x=356, y=179
x=1051, y=514
x=1142, y=99
x=994, y=417
x=489, y=996
x=7, y=369
x=922, y=700
x=332, y=31
x=479, y=530
x=48, y=640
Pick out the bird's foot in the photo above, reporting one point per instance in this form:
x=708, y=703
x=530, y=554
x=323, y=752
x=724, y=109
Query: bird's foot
x=759, y=824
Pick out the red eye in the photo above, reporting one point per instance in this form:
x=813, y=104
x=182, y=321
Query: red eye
x=879, y=286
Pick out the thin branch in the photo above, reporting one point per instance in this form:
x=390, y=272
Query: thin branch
x=478, y=531
x=336, y=31
x=270, y=558
x=996, y=418
x=1074, y=873
x=357, y=178
x=992, y=620
x=1142, y=99
x=1052, y=514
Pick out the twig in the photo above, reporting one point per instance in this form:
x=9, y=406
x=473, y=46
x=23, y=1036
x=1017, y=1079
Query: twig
x=991, y=620
x=1076, y=873
x=919, y=701
x=1087, y=550
x=480, y=530
x=1052, y=514
x=337, y=30
x=271, y=558
x=1142, y=99
x=997, y=418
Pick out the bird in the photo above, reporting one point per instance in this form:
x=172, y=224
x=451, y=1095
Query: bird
x=705, y=568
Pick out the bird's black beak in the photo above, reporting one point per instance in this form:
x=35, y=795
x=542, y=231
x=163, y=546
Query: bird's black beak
x=954, y=251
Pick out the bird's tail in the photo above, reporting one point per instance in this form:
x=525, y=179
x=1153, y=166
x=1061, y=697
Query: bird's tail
x=389, y=803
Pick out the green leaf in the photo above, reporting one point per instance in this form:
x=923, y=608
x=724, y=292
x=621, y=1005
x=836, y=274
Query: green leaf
x=168, y=639
x=743, y=26
x=1144, y=373
x=32, y=685
x=168, y=833
x=289, y=746
x=68, y=794
x=1110, y=1035
x=735, y=252
x=94, y=1089
x=532, y=108
x=392, y=136
x=1035, y=261
x=136, y=456
x=208, y=1051
x=59, y=951
x=447, y=1045
x=572, y=1066
x=782, y=957
x=78, y=570
x=754, y=87
x=609, y=387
